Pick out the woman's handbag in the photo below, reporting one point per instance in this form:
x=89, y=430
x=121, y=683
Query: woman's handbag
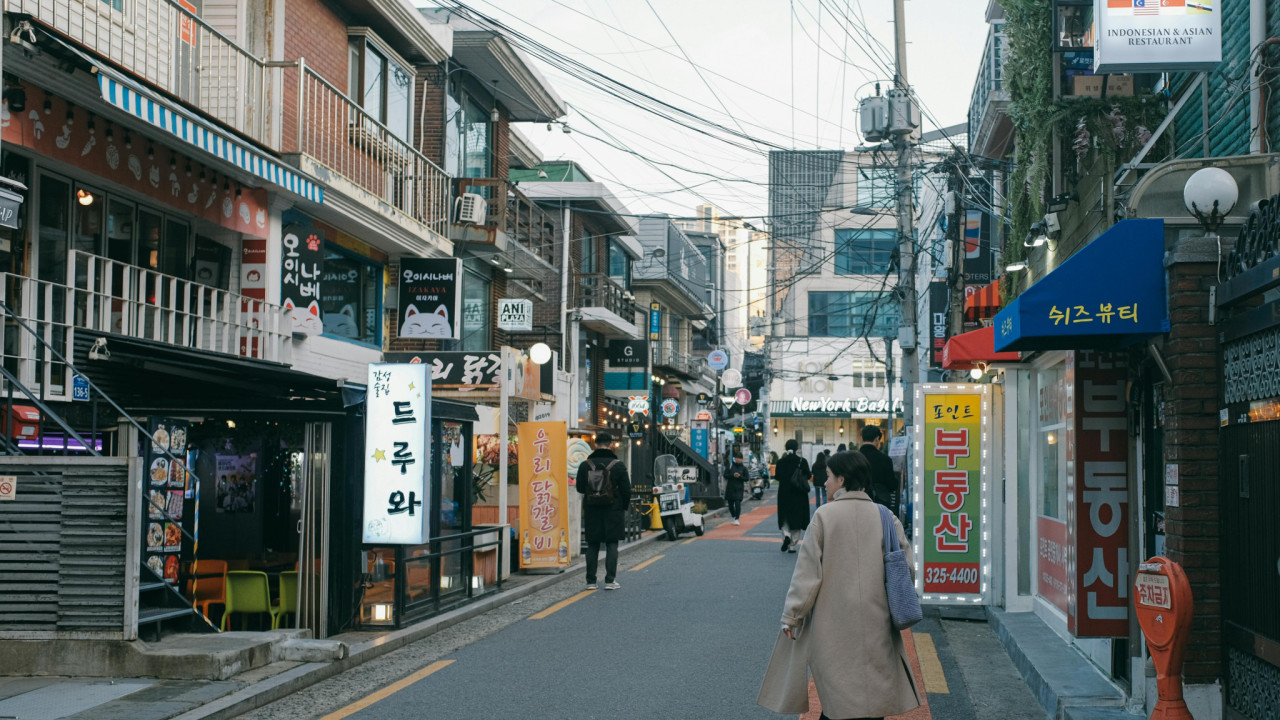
x=904, y=604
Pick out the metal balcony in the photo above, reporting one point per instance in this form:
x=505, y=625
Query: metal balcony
x=605, y=306
x=990, y=127
x=171, y=48
x=512, y=222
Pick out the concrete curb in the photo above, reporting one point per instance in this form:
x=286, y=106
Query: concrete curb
x=291, y=681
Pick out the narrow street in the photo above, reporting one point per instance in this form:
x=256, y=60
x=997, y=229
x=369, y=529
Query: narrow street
x=687, y=635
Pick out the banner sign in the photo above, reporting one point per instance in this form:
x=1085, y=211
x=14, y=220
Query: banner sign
x=977, y=248
x=429, y=297
x=515, y=315
x=698, y=434
x=544, y=492
x=300, y=273
x=167, y=493
x=455, y=370
x=951, y=421
x=1098, y=520
x=1157, y=36
x=628, y=353
x=397, y=454
x=938, y=324
x=655, y=321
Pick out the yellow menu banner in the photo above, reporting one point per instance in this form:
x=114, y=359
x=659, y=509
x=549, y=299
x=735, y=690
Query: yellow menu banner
x=544, y=494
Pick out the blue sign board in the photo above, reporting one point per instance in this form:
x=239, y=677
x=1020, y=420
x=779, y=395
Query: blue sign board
x=718, y=360
x=1109, y=295
x=80, y=388
x=655, y=321
x=699, y=436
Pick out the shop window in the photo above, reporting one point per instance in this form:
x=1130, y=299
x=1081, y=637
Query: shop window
x=865, y=252
x=852, y=314
x=175, y=252
x=381, y=84
x=54, y=226
x=1050, y=441
x=351, y=297
x=476, y=289
x=87, y=230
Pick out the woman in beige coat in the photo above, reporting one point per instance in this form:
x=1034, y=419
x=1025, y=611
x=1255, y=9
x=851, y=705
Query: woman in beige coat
x=835, y=622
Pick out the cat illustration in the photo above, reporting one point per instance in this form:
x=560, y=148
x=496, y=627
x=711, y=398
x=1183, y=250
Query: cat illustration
x=305, y=320
x=342, y=324
x=426, y=325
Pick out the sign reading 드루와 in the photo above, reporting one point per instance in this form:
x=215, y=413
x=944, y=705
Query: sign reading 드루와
x=544, y=487
x=397, y=504
x=950, y=422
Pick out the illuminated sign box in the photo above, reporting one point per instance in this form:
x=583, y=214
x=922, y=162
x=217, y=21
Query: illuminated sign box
x=1155, y=36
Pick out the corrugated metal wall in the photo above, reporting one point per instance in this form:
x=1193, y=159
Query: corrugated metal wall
x=69, y=547
x=1228, y=94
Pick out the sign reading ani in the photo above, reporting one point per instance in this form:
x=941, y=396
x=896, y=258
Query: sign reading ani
x=846, y=405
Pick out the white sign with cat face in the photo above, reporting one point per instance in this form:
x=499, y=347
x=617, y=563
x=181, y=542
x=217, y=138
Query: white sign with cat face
x=515, y=314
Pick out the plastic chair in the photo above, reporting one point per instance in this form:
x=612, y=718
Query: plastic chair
x=288, y=597
x=208, y=590
x=248, y=592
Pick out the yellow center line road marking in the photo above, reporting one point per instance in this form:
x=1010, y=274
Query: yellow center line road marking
x=561, y=605
x=647, y=563
x=935, y=681
x=686, y=542
x=387, y=691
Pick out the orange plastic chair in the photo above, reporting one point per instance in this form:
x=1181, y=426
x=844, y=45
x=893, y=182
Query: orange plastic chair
x=208, y=590
x=248, y=592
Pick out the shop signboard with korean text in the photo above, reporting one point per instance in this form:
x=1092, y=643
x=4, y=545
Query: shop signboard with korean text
x=302, y=263
x=1098, y=517
x=397, y=455
x=165, y=498
x=951, y=424
x=938, y=322
x=456, y=370
x=1053, y=578
x=1157, y=36
x=544, y=493
x=430, y=298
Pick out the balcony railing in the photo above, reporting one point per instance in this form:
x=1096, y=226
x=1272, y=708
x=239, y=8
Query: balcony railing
x=337, y=133
x=511, y=212
x=990, y=97
x=170, y=47
x=42, y=307
x=600, y=290
x=669, y=356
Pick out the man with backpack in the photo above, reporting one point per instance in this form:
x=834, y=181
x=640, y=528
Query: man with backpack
x=606, y=492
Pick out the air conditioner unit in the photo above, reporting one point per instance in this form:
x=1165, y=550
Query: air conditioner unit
x=471, y=209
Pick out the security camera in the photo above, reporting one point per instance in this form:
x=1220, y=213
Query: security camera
x=99, y=350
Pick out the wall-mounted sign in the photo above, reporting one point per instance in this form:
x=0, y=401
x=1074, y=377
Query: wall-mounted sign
x=670, y=407
x=703, y=416
x=1157, y=36
x=732, y=378
x=635, y=430
x=628, y=353
x=456, y=370
x=938, y=322
x=397, y=503
x=515, y=314
x=718, y=360
x=638, y=405
x=825, y=406
x=655, y=321
x=300, y=272
x=743, y=396
x=430, y=298
x=544, y=494
x=699, y=437
x=703, y=398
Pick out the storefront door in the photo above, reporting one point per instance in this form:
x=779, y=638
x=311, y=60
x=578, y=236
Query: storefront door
x=313, y=530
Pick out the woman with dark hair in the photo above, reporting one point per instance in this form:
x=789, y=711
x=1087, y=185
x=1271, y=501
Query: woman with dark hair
x=836, y=609
x=792, y=474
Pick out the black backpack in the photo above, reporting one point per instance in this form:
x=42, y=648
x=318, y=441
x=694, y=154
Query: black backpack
x=600, y=483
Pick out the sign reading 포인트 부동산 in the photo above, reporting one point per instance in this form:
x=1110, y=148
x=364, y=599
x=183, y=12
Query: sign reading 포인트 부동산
x=544, y=488
x=950, y=423
x=397, y=501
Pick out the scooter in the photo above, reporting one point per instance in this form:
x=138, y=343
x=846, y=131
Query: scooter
x=676, y=512
x=757, y=488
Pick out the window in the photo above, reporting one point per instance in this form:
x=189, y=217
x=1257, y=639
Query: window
x=868, y=373
x=117, y=5
x=475, y=311
x=619, y=265
x=467, y=138
x=876, y=187
x=852, y=314
x=589, y=264
x=381, y=84
x=351, y=296
x=865, y=252
x=1052, y=388
x=212, y=263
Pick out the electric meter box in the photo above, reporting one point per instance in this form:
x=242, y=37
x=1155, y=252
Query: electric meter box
x=873, y=118
x=904, y=112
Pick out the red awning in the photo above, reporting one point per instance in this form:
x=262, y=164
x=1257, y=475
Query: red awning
x=965, y=351
x=983, y=303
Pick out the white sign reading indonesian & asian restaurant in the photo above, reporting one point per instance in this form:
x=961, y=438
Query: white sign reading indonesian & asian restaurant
x=1156, y=36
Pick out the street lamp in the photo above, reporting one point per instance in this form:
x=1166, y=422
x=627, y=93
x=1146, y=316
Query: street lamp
x=1014, y=267
x=1210, y=193
x=540, y=353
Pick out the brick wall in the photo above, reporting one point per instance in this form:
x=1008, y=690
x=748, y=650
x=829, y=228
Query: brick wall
x=316, y=32
x=1191, y=441
x=429, y=113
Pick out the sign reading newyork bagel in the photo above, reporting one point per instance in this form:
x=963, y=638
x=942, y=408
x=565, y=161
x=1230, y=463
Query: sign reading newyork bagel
x=829, y=405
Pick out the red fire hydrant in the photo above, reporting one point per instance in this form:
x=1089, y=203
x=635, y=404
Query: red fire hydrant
x=1163, y=602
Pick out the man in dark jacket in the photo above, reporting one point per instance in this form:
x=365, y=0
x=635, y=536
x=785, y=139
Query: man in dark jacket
x=820, y=479
x=604, y=522
x=735, y=479
x=884, y=481
x=792, y=473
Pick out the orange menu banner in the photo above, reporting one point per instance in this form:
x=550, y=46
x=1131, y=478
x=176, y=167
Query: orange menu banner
x=544, y=494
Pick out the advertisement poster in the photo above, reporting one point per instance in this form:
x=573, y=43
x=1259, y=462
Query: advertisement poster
x=430, y=297
x=1099, y=517
x=544, y=492
x=952, y=484
x=237, y=483
x=165, y=454
x=1051, y=562
x=397, y=455
x=302, y=265
x=340, y=300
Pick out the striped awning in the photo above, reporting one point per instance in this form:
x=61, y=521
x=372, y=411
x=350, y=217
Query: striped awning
x=165, y=116
x=983, y=304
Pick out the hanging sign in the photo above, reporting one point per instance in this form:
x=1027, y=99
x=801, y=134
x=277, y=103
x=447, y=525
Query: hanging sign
x=699, y=438
x=515, y=315
x=300, y=271
x=670, y=407
x=718, y=360
x=544, y=486
x=1157, y=36
x=732, y=378
x=638, y=405
x=655, y=321
x=628, y=353
x=743, y=396
x=429, y=297
x=397, y=504
x=635, y=430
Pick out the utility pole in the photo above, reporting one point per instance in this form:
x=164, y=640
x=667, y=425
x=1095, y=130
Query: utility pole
x=906, y=231
x=956, y=225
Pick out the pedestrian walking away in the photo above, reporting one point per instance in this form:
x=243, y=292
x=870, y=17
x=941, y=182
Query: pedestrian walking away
x=820, y=478
x=792, y=475
x=735, y=479
x=606, y=489
x=858, y=661
x=884, y=481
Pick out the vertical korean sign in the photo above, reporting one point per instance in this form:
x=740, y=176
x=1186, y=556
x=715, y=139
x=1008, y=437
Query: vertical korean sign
x=430, y=297
x=397, y=503
x=1099, y=517
x=303, y=262
x=544, y=486
x=951, y=423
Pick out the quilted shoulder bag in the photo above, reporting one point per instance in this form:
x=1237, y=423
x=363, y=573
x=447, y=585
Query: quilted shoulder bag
x=904, y=604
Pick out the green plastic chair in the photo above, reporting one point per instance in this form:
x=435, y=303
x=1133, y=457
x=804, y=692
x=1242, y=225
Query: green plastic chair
x=288, y=597
x=248, y=592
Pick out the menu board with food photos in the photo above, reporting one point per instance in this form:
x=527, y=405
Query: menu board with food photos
x=167, y=488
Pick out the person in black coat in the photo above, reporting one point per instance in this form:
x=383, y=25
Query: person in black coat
x=735, y=478
x=820, y=479
x=604, y=524
x=884, y=481
x=792, y=473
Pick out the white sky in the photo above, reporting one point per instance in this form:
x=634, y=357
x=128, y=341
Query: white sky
x=744, y=48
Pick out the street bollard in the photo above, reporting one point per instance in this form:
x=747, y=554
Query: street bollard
x=1163, y=602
